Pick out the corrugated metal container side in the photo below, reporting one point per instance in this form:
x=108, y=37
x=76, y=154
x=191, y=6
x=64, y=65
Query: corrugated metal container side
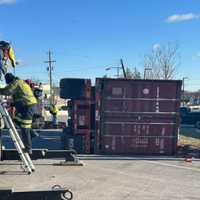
x=81, y=116
x=137, y=116
x=139, y=145
x=80, y=125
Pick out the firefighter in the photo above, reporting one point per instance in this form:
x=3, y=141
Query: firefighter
x=25, y=104
x=6, y=54
x=54, y=112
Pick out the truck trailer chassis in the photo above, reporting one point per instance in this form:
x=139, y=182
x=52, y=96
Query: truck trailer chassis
x=56, y=193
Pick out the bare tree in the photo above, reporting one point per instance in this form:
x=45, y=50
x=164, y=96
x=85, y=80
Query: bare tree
x=163, y=61
x=131, y=74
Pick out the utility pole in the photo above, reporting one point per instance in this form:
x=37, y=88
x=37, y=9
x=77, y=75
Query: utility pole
x=50, y=69
x=118, y=69
x=123, y=68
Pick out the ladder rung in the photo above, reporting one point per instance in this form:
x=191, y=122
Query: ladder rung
x=24, y=156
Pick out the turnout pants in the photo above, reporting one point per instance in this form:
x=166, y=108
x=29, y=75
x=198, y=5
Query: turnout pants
x=24, y=115
x=54, y=120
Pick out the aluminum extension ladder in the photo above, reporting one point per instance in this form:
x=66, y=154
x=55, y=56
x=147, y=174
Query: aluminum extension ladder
x=24, y=156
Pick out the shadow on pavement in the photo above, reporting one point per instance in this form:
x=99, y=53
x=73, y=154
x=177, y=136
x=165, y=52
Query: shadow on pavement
x=12, y=173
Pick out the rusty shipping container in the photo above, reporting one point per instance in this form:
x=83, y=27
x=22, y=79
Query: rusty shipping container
x=137, y=116
x=79, y=125
x=81, y=116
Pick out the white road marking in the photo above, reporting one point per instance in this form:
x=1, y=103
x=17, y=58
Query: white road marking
x=175, y=166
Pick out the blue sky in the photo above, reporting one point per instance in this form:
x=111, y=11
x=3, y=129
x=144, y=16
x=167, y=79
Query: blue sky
x=86, y=36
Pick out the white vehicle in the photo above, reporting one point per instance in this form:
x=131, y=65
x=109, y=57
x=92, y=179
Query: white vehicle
x=195, y=108
x=62, y=115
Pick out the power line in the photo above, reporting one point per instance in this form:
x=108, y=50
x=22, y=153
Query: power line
x=50, y=69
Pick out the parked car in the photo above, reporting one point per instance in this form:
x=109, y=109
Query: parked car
x=189, y=117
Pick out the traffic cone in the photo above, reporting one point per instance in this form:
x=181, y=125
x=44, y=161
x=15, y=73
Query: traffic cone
x=187, y=159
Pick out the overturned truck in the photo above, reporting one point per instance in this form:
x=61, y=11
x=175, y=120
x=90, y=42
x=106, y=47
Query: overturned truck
x=120, y=116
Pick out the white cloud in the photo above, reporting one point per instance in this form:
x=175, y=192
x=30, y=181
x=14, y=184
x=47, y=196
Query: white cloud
x=156, y=46
x=2, y=2
x=182, y=17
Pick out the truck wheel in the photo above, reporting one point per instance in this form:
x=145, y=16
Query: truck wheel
x=197, y=125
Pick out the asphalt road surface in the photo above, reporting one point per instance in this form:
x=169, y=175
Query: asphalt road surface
x=111, y=179
x=106, y=178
